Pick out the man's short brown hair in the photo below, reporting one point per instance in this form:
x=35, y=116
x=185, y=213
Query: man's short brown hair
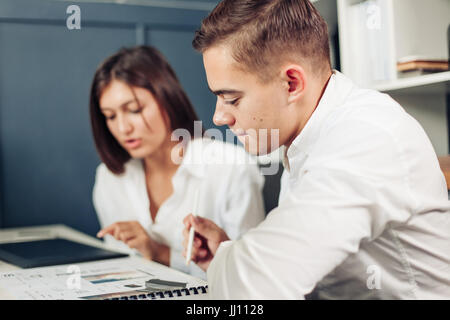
x=264, y=33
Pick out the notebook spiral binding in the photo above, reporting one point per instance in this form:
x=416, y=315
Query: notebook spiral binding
x=165, y=294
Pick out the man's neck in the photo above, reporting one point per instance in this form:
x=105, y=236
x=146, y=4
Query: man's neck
x=310, y=106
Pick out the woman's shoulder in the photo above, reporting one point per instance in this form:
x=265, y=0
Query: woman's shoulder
x=132, y=168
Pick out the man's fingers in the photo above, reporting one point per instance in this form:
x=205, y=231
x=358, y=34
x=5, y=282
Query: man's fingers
x=186, y=233
x=202, y=253
x=193, y=253
x=188, y=221
x=207, y=228
x=186, y=230
x=185, y=238
x=196, y=243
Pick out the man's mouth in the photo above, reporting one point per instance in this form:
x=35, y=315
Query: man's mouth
x=239, y=132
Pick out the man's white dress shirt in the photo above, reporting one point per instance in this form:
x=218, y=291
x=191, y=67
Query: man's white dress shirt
x=230, y=187
x=363, y=211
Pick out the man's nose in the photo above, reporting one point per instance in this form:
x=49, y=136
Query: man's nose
x=222, y=117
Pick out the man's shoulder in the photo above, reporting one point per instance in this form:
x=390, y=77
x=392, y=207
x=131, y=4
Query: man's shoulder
x=370, y=103
x=378, y=111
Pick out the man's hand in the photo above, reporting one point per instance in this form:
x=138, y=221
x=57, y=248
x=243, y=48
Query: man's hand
x=134, y=236
x=207, y=239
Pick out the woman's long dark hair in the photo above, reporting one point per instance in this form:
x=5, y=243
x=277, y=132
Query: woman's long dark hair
x=143, y=67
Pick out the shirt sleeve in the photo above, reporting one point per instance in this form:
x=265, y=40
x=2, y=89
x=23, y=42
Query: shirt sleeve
x=244, y=204
x=244, y=209
x=337, y=203
x=178, y=261
x=99, y=198
x=105, y=211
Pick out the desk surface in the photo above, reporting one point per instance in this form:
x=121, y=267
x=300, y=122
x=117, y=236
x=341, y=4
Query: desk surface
x=56, y=231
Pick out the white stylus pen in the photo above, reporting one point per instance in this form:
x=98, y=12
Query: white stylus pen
x=192, y=231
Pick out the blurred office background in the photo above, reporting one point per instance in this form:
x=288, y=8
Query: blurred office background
x=47, y=155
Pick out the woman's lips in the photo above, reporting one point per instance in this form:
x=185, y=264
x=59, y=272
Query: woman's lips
x=133, y=143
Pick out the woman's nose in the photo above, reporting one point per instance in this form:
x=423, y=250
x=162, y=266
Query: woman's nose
x=125, y=126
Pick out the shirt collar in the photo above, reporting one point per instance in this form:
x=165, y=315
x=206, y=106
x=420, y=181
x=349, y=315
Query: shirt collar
x=336, y=92
x=192, y=162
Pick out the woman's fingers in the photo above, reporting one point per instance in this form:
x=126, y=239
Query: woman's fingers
x=108, y=230
x=116, y=232
x=126, y=236
x=123, y=231
x=115, y=229
x=133, y=243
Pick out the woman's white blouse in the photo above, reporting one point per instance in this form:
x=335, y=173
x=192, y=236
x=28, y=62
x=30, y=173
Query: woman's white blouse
x=230, y=187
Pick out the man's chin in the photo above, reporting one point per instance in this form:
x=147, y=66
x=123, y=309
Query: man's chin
x=256, y=147
x=255, y=151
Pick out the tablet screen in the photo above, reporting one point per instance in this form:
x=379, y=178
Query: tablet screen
x=40, y=253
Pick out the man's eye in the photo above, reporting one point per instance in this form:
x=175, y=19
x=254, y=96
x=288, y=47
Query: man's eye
x=232, y=102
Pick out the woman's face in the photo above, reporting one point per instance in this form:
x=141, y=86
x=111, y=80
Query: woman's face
x=135, y=120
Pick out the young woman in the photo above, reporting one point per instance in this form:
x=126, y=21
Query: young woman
x=141, y=192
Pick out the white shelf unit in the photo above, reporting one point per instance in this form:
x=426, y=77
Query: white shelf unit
x=436, y=83
x=387, y=31
x=375, y=34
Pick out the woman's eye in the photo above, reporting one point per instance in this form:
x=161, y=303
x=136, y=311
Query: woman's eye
x=136, y=110
x=110, y=117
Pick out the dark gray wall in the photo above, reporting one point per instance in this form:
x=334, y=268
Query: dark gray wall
x=47, y=156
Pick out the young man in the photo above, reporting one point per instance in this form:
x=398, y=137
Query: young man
x=363, y=210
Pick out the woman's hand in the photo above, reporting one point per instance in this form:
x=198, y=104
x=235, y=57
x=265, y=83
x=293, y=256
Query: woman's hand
x=134, y=236
x=208, y=236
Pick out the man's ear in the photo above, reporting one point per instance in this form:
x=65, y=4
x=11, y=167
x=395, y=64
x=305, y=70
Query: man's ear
x=295, y=78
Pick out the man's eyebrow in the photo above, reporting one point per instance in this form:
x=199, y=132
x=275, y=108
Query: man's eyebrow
x=224, y=91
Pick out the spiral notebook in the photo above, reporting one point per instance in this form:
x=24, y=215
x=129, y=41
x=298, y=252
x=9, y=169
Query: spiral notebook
x=113, y=279
x=191, y=293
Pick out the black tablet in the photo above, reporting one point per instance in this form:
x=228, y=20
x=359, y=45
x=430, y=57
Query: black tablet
x=41, y=253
